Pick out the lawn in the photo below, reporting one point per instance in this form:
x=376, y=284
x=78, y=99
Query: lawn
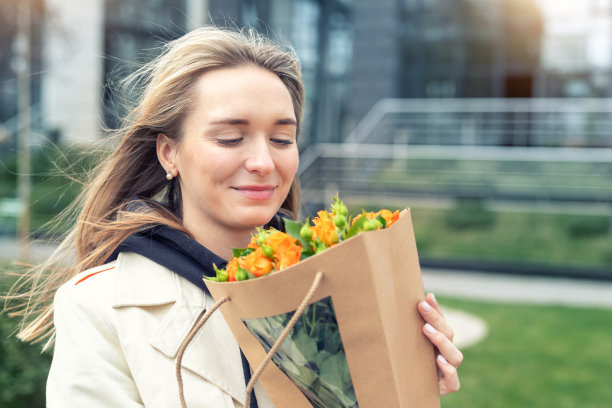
x=536, y=356
x=562, y=240
x=472, y=232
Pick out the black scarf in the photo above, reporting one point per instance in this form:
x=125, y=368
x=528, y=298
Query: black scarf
x=184, y=256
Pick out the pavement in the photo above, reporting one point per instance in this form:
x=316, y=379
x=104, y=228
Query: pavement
x=491, y=287
x=496, y=287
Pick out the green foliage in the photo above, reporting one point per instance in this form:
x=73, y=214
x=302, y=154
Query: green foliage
x=515, y=237
x=23, y=369
x=535, y=356
x=57, y=177
x=312, y=356
x=547, y=239
x=470, y=214
x=587, y=226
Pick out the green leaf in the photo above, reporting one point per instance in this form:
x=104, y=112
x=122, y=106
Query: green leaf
x=301, y=374
x=241, y=252
x=382, y=221
x=306, y=344
x=335, y=375
x=293, y=228
x=356, y=228
x=321, y=357
x=307, y=252
x=332, y=341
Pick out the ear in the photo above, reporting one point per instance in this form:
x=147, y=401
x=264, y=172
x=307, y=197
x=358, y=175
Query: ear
x=166, y=153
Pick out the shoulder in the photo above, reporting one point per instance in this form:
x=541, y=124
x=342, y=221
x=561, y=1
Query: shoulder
x=131, y=280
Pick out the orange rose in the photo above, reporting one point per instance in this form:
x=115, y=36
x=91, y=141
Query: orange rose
x=232, y=268
x=253, y=244
x=369, y=216
x=390, y=217
x=287, y=251
x=324, y=228
x=257, y=263
x=279, y=242
x=290, y=256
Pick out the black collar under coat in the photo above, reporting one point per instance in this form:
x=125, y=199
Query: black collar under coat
x=179, y=252
x=184, y=256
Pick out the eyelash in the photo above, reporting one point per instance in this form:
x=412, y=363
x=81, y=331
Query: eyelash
x=236, y=142
x=282, y=142
x=229, y=142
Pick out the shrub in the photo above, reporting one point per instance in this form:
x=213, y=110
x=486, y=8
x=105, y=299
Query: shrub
x=587, y=226
x=470, y=213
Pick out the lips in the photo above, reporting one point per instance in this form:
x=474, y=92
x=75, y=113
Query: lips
x=259, y=193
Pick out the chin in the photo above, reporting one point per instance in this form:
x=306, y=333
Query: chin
x=257, y=218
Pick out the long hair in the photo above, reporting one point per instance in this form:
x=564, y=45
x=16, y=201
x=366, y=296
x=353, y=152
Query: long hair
x=132, y=170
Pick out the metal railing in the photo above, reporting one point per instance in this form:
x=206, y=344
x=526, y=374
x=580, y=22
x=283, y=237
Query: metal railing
x=506, y=149
x=513, y=122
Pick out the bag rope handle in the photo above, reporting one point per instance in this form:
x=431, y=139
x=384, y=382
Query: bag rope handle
x=179, y=355
x=203, y=318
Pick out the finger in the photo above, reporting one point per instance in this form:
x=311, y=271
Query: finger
x=431, y=299
x=446, y=347
x=436, y=319
x=448, y=379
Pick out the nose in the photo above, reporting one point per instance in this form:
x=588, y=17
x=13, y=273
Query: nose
x=259, y=158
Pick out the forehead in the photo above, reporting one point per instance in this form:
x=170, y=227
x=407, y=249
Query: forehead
x=240, y=91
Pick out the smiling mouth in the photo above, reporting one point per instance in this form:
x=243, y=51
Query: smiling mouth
x=258, y=193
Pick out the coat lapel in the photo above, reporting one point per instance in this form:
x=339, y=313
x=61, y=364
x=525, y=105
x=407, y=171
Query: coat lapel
x=213, y=354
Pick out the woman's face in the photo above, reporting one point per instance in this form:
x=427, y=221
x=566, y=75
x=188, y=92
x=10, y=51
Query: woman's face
x=238, y=154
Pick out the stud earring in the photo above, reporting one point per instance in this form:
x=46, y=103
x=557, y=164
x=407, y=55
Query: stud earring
x=169, y=176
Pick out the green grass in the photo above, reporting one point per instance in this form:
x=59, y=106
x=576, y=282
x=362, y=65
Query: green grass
x=536, y=356
x=471, y=232
x=549, y=239
x=539, y=179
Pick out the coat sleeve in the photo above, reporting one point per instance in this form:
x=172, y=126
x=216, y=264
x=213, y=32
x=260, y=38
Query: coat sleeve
x=88, y=367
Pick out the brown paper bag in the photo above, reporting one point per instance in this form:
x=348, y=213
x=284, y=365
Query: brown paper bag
x=374, y=283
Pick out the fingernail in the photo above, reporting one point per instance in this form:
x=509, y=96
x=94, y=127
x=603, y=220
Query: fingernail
x=442, y=359
x=433, y=298
x=426, y=306
x=430, y=329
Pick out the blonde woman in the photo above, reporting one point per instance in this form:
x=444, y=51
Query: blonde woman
x=207, y=155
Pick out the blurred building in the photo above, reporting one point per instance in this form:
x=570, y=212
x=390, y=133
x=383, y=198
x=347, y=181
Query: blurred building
x=576, y=49
x=12, y=61
x=353, y=52
x=90, y=45
x=443, y=49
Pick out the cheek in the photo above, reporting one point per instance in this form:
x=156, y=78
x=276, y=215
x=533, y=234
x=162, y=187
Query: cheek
x=288, y=164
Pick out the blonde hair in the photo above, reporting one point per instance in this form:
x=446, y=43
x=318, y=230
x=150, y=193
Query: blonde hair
x=132, y=170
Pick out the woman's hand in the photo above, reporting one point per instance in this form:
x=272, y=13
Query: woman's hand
x=441, y=334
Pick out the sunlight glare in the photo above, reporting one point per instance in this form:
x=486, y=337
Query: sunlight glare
x=565, y=8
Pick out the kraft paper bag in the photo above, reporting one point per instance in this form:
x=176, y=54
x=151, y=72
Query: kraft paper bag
x=359, y=342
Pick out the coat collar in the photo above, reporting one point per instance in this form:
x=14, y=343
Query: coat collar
x=213, y=353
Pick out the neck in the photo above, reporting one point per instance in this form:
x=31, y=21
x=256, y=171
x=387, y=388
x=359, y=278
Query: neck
x=218, y=239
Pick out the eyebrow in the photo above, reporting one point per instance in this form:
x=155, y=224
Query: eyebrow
x=233, y=121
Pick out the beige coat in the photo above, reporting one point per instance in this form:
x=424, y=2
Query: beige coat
x=119, y=327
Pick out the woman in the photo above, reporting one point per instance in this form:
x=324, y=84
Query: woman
x=208, y=154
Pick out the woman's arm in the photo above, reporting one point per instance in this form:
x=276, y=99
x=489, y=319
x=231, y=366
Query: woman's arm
x=88, y=368
x=441, y=335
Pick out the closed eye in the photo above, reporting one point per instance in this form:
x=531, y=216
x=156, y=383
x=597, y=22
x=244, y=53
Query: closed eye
x=229, y=142
x=282, y=142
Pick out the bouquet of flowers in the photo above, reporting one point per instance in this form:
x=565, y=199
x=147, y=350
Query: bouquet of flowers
x=271, y=250
x=313, y=356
